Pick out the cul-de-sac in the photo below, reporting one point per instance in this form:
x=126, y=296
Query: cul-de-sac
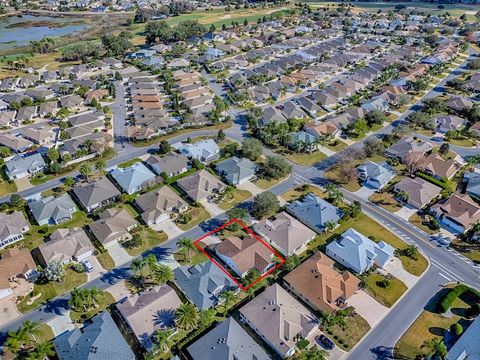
x=239, y=180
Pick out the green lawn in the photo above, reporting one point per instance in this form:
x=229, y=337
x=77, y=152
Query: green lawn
x=150, y=239
x=129, y=162
x=333, y=174
x=428, y=325
x=196, y=257
x=463, y=142
x=467, y=250
x=51, y=290
x=347, y=336
x=267, y=184
x=40, y=178
x=36, y=235
x=103, y=302
x=198, y=214
x=416, y=220
x=370, y=228
x=305, y=159
x=45, y=333
x=385, y=200
x=299, y=191
x=385, y=296
x=106, y=261
x=239, y=196
x=6, y=186
x=337, y=146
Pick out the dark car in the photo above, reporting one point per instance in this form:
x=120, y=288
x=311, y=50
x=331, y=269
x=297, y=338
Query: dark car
x=326, y=342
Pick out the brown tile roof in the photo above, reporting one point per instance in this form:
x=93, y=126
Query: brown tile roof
x=438, y=166
x=320, y=284
x=14, y=262
x=460, y=208
x=246, y=253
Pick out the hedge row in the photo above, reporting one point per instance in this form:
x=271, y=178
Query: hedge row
x=454, y=293
x=442, y=183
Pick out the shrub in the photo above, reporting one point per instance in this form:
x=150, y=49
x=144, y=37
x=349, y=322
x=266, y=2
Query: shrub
x=453, y=294
x=384, y=283
x=456, y=329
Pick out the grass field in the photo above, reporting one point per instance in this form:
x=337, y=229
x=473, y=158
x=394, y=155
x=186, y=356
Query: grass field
x=6, y=186
x=385, y=296
x=239, y=196
x=51, y=290
x=351, y=333
x=105, y=261
x=198, y=214
x=385, y=200
x=267, y=184
x=305, y=159
x=429, y=325
x=299, y=191
x=104, y=301
x=150, y=239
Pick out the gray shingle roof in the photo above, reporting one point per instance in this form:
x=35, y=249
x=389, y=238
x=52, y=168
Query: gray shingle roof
x=52, y=208
x=100, y=340
x=235, y=169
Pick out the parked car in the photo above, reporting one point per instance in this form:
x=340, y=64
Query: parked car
x=326, y=342
x=87, y=265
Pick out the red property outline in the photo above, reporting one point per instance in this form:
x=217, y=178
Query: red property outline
x=244, y=288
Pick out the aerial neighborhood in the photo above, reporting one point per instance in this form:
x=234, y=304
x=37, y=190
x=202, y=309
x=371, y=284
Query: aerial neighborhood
x=239, y=180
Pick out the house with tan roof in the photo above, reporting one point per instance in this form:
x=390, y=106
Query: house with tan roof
x=96, y=193
x=459, y=212
x=113, y=226
x=158, y=205
x=149, y=311
x=439, y=168
x=285, y=233
x=322, y=129
x=320, y=285
x=12, y=227
x=66, y=245
x=420, y=192
x=201, y=185
x=41, y=135
x=172, y=164
x=279, y=319
x=14, y=263
x=406, y=147
x=16, y=143
x=243, y=254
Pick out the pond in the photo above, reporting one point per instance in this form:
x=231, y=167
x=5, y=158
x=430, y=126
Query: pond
x=19, y=31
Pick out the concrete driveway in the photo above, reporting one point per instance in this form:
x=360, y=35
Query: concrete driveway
x=406, y=212
x=249, y=186
x=335, y=354
x=365, y=192
x=212, y=208
x=396, y=269
x=61, y=323
x=169, y=227
x=97, y=271
x=8, y=310
x=119, y=254
x=23, y=184
x=367, y=307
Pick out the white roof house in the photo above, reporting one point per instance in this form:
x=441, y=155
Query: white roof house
x=358, y=252
x=205, y=151
x=22, y=166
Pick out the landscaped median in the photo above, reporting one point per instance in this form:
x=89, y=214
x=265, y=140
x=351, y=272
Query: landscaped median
x=451, y=305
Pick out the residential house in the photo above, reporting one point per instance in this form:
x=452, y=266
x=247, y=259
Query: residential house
x=285, y=233
x=98, y=340
x=467, y=346
x=16, y=143
x=320, y=285
x=302, y=140
x=272, y=115
x=377, y=103
x=420, y=192
x=292, y=111
x=236, y=170
x=459, y=212
x=203, y=283
x=96, y=193
x=243, y=254
x=458, y=103
x=12, y=227
x=113, y=226
x=150, y=311
x=7, y=118
x=279, y=319
x=171, y=164
x=52, y=210
x=473, y=184
x=15, y=263
x=204, y=151
x=357, y=252
x=201, y=185
x=446, y=123
x=41, y=135
x=439, y=168
x=375, y=175
x=159, y=205
x=315, y=212
x=24, y=166
x=322, y=129
x=406, y=148
x=228, y=340
x=133, y=178
x=66, y=245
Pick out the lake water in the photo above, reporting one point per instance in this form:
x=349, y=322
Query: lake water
x=11, y=37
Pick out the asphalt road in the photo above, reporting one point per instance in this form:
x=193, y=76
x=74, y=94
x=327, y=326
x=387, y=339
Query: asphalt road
x=445, y=266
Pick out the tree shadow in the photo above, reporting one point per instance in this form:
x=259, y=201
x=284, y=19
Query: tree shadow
x=115, y=275
x=57, y=306
x=438, y=331
x=432, y=304
x=160, y=253
x=383, y=352
x=164, y=318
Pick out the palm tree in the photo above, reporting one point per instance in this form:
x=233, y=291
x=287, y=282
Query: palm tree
x=137, y=266
x=162, y=339
x=150, y=262
x=228, y=297
x=207, y=317
x=436, y=347
x=85, y=170
x=42, y=351
x=100, y=165
x=162, y=274
x=328, y=320
x=186, y=245
x=187, y=316
x=404, y=196
x=328, y=226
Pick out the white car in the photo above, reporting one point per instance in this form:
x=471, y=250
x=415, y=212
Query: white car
x=87, y=265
